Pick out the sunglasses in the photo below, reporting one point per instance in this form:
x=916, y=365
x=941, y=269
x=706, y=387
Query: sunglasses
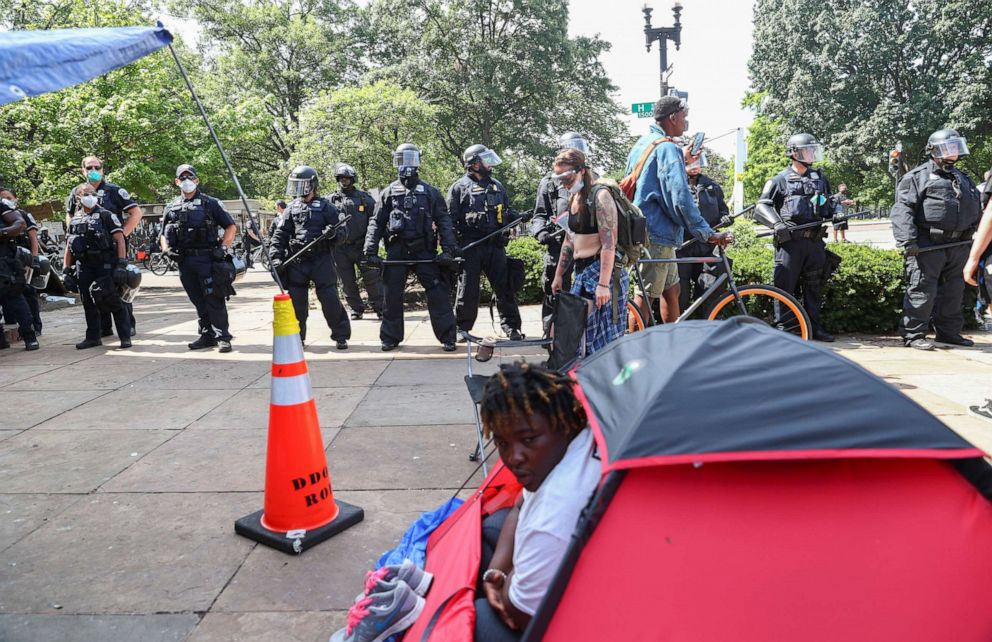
x=93, y=167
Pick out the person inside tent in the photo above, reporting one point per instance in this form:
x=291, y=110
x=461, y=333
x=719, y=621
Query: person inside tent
x=540, y=430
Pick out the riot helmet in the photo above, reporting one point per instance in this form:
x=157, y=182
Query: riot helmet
x=345, y=171
x=39, y=278
x=303, y=180
x=132, y=284
x=804, y=148
x=406, y=155
x=480, y=154
x=573, y=140
x=947, y=144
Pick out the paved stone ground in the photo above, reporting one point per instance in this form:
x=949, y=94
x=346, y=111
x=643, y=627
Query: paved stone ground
x=122, y=472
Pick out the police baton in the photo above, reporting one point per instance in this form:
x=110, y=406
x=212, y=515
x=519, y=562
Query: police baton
x=417, y=261
x=485, y=238
x=721, y=225
x=804, y=226
x=323, y=237
x=944, y=246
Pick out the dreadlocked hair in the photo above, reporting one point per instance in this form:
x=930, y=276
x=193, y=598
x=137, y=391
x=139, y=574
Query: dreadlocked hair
x=521, y=390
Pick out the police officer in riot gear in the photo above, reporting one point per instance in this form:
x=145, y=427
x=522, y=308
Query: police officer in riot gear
x=713, y=207
x=547, y=225
x=799, y=195
x=191, y=226
x=95, y=244
x=116, y=200
x=478, y=205
x=936, y=204
x=12, y=277
x=306, y=219
x=411, y=217
x=29, y=241
x=348, y=254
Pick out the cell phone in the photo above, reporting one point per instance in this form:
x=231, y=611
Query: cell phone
x=697, y=143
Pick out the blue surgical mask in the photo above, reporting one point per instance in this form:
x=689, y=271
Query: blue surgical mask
x=94, y=175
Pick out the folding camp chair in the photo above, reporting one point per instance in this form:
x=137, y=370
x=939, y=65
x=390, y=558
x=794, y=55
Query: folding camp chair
x=476, y=382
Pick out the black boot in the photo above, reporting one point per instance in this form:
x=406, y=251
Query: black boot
x=203, y=342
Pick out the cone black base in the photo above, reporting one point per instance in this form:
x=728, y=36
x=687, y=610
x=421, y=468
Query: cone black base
x=250, y=526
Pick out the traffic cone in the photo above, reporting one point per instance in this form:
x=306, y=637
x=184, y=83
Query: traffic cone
x=300, y=510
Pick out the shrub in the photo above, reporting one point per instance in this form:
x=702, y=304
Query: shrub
x=528, y=250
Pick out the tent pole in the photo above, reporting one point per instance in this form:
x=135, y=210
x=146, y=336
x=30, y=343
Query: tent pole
x=227, y=163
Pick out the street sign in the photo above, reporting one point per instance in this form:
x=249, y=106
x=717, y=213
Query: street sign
x=642, y=110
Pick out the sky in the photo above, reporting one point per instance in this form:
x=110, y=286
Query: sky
x=711, y=63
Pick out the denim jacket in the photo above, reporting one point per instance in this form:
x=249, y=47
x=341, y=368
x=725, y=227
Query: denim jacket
x=663, y=193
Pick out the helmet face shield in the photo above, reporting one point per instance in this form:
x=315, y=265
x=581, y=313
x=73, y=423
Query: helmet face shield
x=950, y=148
x=297, y=187
x=578, y=143
x=406, y=158
x=808, y=153
x=489, y=158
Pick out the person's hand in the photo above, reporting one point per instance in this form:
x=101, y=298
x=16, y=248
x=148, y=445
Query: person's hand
x=603, y=295
x=445, y=259
x=218, y=254
x=544, y=236
x=119, y=276
x=373, y=261
x=276, y=264
x=723, y=239
x=783, y=232
x=970, y=270
x=726, y=221
x=848, y=202
x=493, y=588
x=556, y=285
x=910, y=249
x=526, y=216
x=689, y=158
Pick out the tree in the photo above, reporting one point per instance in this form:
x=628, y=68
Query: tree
x=503, y=73
x=862, y=75
x=361, y=126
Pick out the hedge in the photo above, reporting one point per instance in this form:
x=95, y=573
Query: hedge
x=864, y=295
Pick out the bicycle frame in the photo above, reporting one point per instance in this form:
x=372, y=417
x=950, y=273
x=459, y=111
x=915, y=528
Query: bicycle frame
x=726, y=277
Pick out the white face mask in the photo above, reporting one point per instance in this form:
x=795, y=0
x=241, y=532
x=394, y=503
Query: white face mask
x=9, y=203
x=576, y=187
x=89, y=201
x=187, y=186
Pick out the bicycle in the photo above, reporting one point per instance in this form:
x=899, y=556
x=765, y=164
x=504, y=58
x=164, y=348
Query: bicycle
x=750, y=300
x=160, y=263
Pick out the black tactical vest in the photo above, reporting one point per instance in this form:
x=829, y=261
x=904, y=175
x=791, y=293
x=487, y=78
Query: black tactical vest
x=951, y=202
x=195, y=228
x=409, y=216
x=805, y=197
x=89, y=240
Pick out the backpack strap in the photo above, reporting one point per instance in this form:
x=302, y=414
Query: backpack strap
x=646, y=155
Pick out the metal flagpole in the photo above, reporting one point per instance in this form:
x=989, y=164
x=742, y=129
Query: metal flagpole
x=227, y=163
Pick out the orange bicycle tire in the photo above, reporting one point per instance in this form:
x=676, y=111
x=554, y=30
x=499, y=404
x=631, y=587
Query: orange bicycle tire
x=774, y=293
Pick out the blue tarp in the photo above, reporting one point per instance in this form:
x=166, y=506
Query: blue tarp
x=413, y=545
x=35, y=62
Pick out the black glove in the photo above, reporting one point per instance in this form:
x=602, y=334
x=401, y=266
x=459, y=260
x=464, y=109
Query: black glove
x=373, y=261
x=446, y=260
x=218, y=254
x=783, y=232
x=726, y=221
x=543, y=237
x=275, y=263
x=910, y=249
x=526, y=216
x=119, y=276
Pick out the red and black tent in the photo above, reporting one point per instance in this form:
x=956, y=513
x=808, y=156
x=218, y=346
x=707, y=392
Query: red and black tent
x=758, y=487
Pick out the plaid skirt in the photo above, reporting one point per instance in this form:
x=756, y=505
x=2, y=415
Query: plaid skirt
x=600, y=326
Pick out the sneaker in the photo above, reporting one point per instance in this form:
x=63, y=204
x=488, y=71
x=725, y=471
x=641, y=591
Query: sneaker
x=823, y=335
x=448, y=346
x=376, y=617
x=461, y=338
x=985, y=412
x=515, y=335
x=31, y=344
x=202, y=342
x=955, y=341
x=88, y=343
x=389, y=345
x=921, y=344
x=341, y=345
x=356, y=315
x=383, y=579
x=225, y=346
x=125, y=343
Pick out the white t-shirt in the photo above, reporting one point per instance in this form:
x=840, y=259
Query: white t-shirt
x=547, y=520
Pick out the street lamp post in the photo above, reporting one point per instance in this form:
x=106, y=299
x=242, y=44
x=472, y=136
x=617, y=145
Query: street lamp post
x=663, y=35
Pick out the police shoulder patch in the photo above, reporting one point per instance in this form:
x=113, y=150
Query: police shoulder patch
x=115, y=220
x=123, y=193
x=420, y=187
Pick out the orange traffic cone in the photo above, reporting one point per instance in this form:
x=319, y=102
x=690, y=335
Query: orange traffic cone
x=300, y=510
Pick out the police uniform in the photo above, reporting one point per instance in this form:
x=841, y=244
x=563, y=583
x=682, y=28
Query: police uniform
x=551, y=206
x=301, y=223
x=348, y=253
x=800, y=199
x=12, y=283
x=30, y=294
x=407, y=219
x=116, y=200
x=480, y=206
x=191, y=227
x=933, y=207
x=694, y=277
x=93, y=248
